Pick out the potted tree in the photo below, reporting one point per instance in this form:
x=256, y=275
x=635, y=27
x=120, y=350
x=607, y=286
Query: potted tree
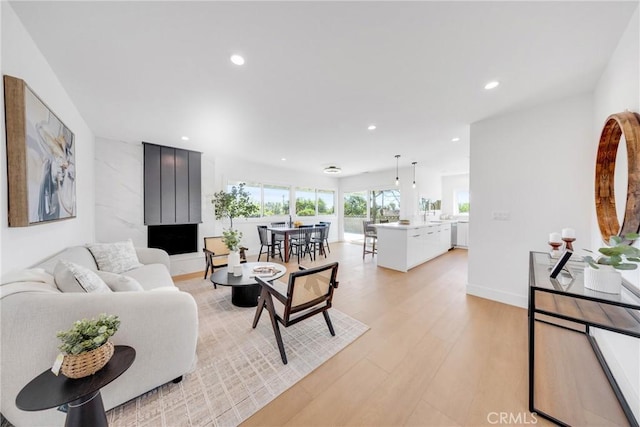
x=233, y=204
x=602, y=272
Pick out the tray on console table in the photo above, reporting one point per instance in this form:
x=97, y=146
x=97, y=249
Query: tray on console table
x=564, y=306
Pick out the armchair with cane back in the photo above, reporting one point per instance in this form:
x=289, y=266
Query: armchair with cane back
x=308, y=292
x=216, y=252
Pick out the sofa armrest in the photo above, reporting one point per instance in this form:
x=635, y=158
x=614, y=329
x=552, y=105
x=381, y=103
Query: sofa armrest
x=153, y=256
x=161, y=326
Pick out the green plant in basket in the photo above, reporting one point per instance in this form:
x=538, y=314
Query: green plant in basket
x=86, y=335
x=617, y=254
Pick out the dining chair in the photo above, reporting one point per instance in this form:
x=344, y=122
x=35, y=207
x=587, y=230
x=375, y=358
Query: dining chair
x=308, y=292
x=328, y=224
x=370, y=238
x=318, y=238
x=279, y=224
x=215, y=254
x=301, y=242
x=266, y=241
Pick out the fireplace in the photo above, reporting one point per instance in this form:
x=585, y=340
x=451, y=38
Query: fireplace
x=175, y=239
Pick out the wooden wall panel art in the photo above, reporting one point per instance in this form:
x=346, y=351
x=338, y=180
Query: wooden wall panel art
x=625, y=124
x=41, y=165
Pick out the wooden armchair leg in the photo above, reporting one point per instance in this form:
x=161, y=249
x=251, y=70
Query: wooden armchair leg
x=328, y=319
x=260, y=307
x=276, y=329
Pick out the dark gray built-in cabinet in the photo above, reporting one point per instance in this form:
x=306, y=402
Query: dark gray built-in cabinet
x=172, y=185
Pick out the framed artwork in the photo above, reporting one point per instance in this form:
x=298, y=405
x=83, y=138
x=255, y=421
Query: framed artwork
x=41, y=160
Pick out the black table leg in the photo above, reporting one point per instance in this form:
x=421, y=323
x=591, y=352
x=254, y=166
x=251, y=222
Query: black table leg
x=87, y=411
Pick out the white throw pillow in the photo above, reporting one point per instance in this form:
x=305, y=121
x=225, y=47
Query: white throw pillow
x=120, y=283
x=72, y=277
x=115, y=257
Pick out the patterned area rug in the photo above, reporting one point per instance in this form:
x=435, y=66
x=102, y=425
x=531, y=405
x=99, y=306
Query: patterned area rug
x=239, y=369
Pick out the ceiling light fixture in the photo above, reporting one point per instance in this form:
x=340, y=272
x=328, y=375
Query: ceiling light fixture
x=456, y=139
x=372, y=127
x=283, y=159
x=397, y=179
x=332, y=170
x=185, y=138
x=237, y=59
x=414, y=173
x=492, y=85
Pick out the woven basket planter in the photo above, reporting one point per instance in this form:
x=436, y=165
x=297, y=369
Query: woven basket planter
x=87, y=363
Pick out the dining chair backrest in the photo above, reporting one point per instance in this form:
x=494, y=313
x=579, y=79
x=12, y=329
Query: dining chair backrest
x=327, y=224
x=320, y=231
x=368, y=228
x=264, y=235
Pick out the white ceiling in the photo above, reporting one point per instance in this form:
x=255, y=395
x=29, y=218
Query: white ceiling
x=318, y=73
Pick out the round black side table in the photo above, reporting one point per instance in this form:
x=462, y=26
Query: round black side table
x=83, y=394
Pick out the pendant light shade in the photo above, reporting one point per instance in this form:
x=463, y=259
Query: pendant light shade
x=414, y=173
x=397, y=179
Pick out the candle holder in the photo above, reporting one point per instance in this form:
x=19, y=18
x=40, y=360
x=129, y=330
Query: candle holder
x=568, y=241
x=555, y=249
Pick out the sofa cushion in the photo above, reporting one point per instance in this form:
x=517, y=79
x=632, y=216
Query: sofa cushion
x=120, y=282
x=151, y=276
x=78, y=254
x=72, y=277
x=115, y=257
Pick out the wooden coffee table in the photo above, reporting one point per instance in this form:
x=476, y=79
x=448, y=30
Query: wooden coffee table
x=83, y=394
x=245, y=289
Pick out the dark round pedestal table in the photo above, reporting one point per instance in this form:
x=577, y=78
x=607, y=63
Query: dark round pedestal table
x=245, y=289
x=83, y=394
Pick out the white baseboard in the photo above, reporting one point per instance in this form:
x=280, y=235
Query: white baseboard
x=500, y=296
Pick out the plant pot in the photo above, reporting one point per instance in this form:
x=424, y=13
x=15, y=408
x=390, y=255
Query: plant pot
x=606, y=279
x=87, y=363
x=233, y=260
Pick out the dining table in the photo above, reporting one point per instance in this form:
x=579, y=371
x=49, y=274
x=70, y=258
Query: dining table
x=286, y=231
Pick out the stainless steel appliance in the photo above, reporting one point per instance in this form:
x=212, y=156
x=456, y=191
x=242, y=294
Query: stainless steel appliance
x=454, y=234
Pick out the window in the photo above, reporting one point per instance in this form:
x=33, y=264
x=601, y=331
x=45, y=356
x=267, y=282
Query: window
x=385, y=204
x=276, y=200
x=461, y=202
x=305, y=202
x=326, y=200
x=254, y=190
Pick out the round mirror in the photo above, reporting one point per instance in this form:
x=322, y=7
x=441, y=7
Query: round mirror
x=626, y=126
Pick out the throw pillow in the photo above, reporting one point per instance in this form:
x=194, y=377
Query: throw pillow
x=115, y=257
x=72, y=277
x=120, y=283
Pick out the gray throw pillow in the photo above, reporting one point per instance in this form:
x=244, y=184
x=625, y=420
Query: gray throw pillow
x=120, y=283
x=72, y=277
x=115, y=257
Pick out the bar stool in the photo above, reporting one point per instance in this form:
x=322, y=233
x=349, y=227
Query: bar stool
x=370, y=239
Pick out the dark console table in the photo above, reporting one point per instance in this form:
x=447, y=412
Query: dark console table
x=83, y=394
x=567, y=306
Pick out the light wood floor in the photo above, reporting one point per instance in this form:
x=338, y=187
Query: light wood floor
x=434, y=356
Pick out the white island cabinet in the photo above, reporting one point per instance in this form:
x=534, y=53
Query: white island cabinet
x=401, y=247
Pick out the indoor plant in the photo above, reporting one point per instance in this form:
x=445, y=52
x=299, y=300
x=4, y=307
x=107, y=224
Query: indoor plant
x=86, y=345
x=601, y=275
x=236, y=203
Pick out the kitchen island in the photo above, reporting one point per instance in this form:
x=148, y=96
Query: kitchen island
x=402, y=247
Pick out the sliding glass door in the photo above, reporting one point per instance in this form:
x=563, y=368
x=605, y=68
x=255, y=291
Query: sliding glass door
x=372, y=205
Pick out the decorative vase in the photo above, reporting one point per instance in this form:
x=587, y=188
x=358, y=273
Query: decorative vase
x=88, y=363
x=605, y=279
x=233, y=260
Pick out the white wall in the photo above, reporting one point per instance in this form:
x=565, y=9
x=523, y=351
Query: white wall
x=537, y=166
x=451, y=184
x=25, y=246
x=618, y=90
x=120, y=198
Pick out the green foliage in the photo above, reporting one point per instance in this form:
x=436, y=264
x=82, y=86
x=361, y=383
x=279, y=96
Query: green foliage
x=305, y=207
x=618, y=251
x=355, y=205
x=463, y=207
x=235, y=204
x=86, y=335
x=231, y=238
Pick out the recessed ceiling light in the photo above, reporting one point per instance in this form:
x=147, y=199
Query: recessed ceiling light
x=283, y=159
x=456, y=139
x=237, y=59
x=185, y=138
x=332, y=170
x=492, y=85
x=372, y=127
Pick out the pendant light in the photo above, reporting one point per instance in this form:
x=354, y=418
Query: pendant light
x=414, y=173
x=397, y=179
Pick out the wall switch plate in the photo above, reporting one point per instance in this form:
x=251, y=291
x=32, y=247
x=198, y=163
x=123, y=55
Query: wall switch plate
x=501, y=215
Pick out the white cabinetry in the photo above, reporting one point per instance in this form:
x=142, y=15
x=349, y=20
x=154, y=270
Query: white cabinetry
x=404, y=247
x=463, y=235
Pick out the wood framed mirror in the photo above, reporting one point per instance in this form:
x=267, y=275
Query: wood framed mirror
x=627, y=125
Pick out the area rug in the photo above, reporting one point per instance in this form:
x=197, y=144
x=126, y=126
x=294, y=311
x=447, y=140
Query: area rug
x=239, y=369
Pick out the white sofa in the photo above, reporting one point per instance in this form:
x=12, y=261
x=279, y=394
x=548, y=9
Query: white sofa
x=160, y=323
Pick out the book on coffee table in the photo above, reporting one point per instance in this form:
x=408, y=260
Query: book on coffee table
x=264, y=271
